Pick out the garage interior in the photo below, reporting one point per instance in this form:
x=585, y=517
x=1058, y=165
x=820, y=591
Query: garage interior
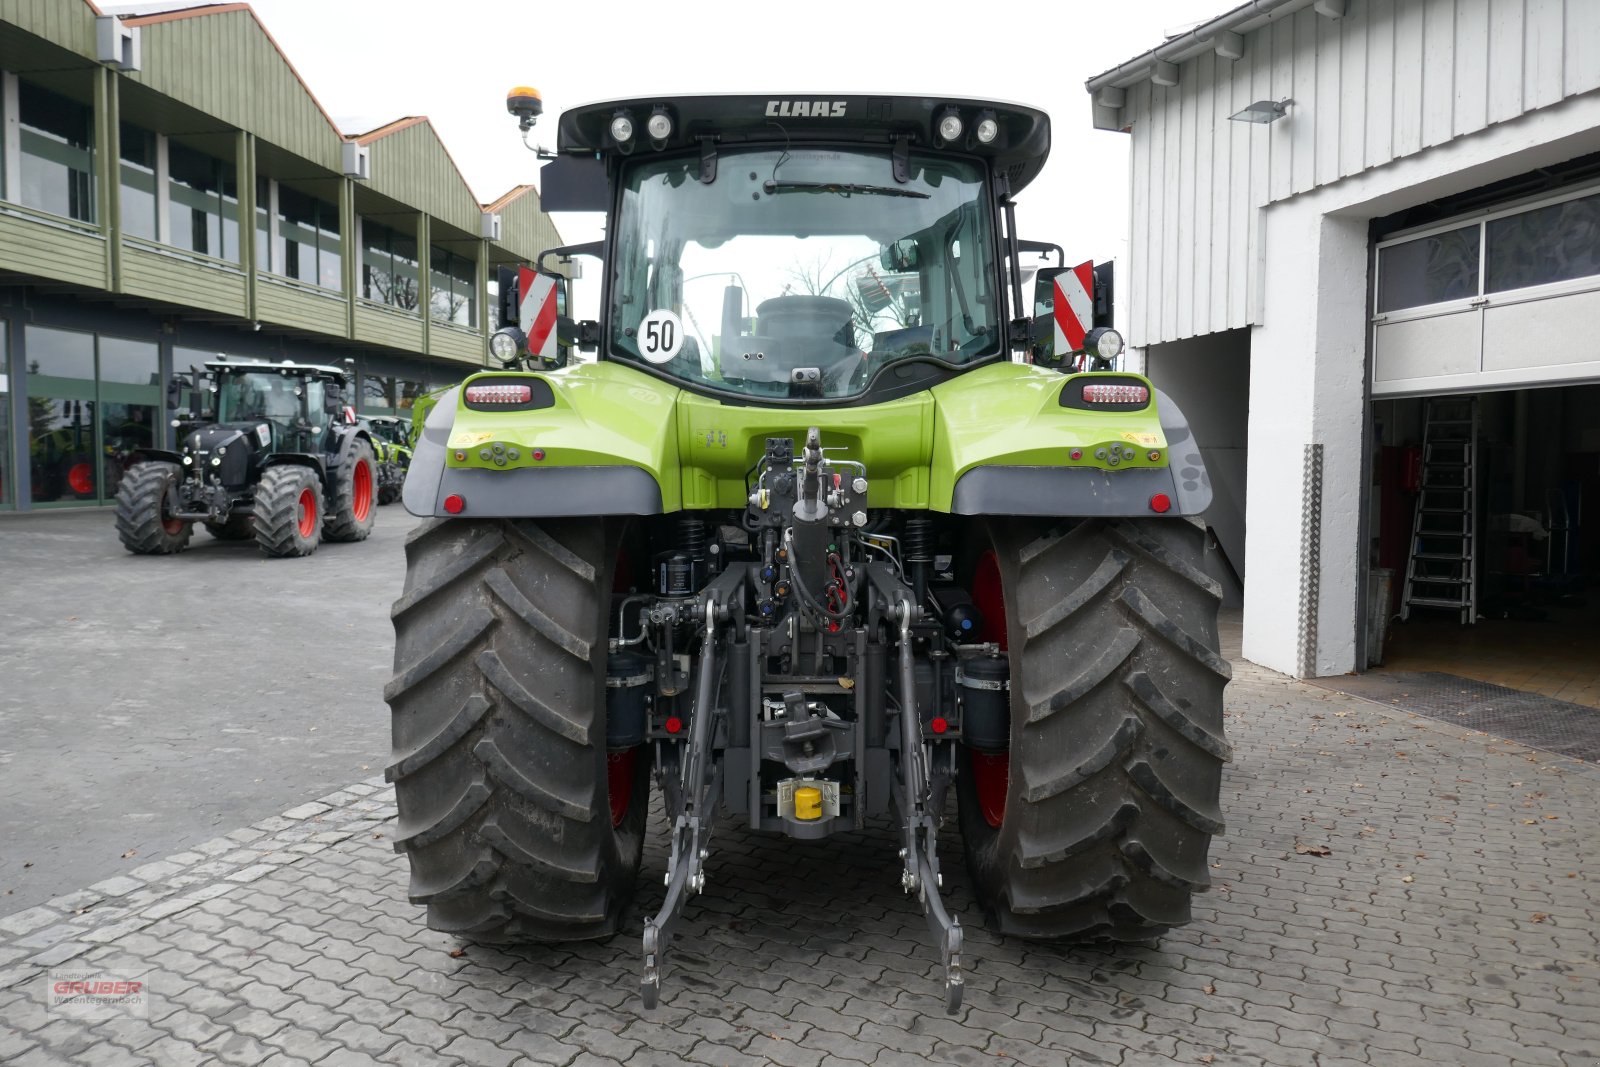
x=1532, y=540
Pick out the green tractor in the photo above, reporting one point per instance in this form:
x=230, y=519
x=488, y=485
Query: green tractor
x=391, y=441
x=269, y=451
x=834, y=528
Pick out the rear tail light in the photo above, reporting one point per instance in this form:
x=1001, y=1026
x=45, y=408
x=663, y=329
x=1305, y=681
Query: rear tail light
x=1161, y=503
x=501, y=393
x=455, y=504
x=1103, y=393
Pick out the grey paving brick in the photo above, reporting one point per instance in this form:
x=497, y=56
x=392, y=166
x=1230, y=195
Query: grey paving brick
x=1294, y=959
x=475, y=1050
x=301, y=1043
x=360, y=1037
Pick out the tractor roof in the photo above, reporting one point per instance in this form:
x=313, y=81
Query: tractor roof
x=1018, y=151
x=286, y=367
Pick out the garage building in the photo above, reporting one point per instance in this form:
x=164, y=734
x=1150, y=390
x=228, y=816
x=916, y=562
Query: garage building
x=1365, y=258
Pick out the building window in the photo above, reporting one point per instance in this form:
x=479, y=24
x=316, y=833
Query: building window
x=138, y=189
x=57, y=153
x=204, y=212
x=92, y=404
x=6, y=498
x=377, y=395
x=453, y=296
x=389, y=268
x=1554, y=243
x=406, y=392
x=307, y=246
x=1429, y=270
x=263, y=224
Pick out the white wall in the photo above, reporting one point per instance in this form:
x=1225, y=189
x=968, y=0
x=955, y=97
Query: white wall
x=1308, y=366
x=1389, y=80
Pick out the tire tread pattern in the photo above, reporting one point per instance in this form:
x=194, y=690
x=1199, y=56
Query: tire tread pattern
x=139, y=500
x=1117, y=742
x=277, y=511
x=498, y=712
x=340, y=522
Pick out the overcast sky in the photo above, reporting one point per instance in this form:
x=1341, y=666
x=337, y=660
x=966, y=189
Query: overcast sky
x=370, y=61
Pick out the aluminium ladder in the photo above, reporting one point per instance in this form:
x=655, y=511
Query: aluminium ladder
x=1442, y=571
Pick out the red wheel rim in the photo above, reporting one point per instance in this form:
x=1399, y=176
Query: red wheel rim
x=991, y=772
x=990, y=598
x=361, y=490
x=619, y=782
x=991, y=780
x=80, y=476
x=172, y=526
x=308, y=512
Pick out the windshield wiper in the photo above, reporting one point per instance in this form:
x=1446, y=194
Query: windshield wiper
x=842, y=188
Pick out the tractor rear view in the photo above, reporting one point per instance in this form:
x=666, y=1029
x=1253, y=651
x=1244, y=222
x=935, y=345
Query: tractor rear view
x=266, y=451
x=391, y=439
x=836, y=526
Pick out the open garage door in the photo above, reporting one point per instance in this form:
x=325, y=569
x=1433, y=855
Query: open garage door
x=1527, y=534
x=1497, y=300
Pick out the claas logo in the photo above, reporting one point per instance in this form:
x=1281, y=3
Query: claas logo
x=805, y=109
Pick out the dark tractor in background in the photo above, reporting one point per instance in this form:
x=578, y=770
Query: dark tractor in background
x=391, y=439
x=266, y=450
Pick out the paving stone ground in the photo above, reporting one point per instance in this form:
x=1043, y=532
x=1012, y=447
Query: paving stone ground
x=1452, y=920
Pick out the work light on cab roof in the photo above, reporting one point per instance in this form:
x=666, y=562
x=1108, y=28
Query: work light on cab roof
x=833, y=525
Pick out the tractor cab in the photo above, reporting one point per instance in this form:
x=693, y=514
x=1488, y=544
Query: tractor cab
x=289, y=407
x=801, y=251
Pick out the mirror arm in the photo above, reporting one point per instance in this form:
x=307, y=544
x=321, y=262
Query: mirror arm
x=900, y=158
x=1009, y=206
x=590, y=248
x=1044, y=248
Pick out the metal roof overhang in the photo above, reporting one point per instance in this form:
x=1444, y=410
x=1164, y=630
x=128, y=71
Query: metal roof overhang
x=1224, y=34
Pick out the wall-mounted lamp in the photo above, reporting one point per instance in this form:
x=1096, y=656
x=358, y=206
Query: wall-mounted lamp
x=1262, y=112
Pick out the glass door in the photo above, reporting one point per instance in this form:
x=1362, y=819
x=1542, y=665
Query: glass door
x=87, y=412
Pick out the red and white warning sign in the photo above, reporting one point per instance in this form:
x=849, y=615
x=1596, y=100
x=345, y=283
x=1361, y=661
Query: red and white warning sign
x=1074, y=307
x=537, y=316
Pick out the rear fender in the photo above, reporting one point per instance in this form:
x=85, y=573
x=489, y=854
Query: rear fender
x=1005, y=441
x=597, y=439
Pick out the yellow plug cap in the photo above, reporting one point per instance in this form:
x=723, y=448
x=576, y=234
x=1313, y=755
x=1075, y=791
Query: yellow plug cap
x=807, y=803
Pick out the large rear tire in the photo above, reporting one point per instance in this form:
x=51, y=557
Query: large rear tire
x=353, y=500
x=287, y=515
x=498, y=712
x=1116, y=752
x=144, y=520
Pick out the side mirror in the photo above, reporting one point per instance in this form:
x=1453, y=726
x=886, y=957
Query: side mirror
x=1042, y=333
x=900, y=256
x=1084, y=324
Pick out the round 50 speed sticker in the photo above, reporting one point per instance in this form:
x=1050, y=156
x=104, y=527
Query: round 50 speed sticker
x=660, y=336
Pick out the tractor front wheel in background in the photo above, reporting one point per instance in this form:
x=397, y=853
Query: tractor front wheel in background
x=239, y=527
x=1095, y=824
x=509, y=807
x=144, y=514
x=353, y=499
x=288, y=511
